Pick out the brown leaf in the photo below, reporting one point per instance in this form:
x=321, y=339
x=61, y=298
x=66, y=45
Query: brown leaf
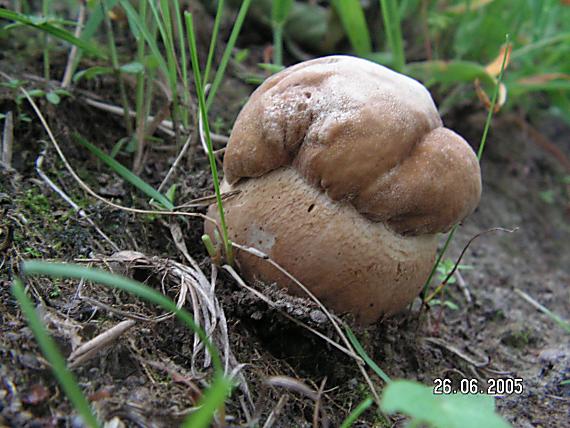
x=544, y=78
x=494, y=67
x=484, y=98
x=101, y=394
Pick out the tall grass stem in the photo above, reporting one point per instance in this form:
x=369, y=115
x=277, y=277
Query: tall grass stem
x=392, y=25
x=494, y=100
x=116, y=67
x=479, y=157
x=213, y=40
x=46, y=7
x=227, y=52
x=204, y=114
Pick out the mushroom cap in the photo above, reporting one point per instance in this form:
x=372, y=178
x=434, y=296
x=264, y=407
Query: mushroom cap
x=363, y=134
x=346, y=175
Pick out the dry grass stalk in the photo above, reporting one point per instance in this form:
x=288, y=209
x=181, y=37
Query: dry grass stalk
x=8, y=139
x=194, y=288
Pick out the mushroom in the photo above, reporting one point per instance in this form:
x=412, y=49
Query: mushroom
x=346, y=176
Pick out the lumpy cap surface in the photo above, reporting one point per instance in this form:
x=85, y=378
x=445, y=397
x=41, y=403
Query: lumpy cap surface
x=363, y=134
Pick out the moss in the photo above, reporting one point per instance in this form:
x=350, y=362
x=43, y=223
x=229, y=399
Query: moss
x=36, y=202
x=518, y=339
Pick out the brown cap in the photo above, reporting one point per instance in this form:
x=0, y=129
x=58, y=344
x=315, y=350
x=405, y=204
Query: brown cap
x=363, y=134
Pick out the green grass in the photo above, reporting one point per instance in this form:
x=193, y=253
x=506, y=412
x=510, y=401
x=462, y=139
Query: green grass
x=212, y=399
x=220, y=73
x=204, y=115
x=479, y=157
x=126, y=174
x=43, y=24
x=356, y=412
x=462, y=39
x=53, y=356
x=391, y=16
x=354, y=22
x=214, y=40
x=450, y=44
x=362, y=353
x=279, y=13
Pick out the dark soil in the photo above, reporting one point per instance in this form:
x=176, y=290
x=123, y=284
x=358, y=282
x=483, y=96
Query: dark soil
x=144, y=379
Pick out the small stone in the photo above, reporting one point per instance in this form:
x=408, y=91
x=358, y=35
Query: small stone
x=552, y=355
x=318, y=316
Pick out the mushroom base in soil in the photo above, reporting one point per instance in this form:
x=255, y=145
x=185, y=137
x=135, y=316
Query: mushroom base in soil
x=346, y=177
x=349, y=262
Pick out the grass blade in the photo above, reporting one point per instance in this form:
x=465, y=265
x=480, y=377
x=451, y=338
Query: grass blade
x=279, y=14
x=565, y=325
x=214, y=39
x=479, y=156
x=64, y=270
x=115, y=63
x=89, y=29
x=438, y=261
x=135, y=19
x=228, y=52
x=53, y=356
x=183, y=62
x=493, y=101
x=212, y=400
x=391, y=17
x=204, y=114
x=362, y=353
x=354, y=22
x=127, y=174
x=166, y=34
x=538, y=46
x=355, y=414
x=52, y=30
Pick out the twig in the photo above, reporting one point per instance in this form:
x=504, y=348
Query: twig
x=450, y=274
x=68, y=74
x=554, y=317
x=176, y=162
x=8, y=139
x=454, y=350
x=291, y=384
x=125, y=314
x=463, y=286
x=165, y=126
x=76, y=208
x=89, y=349
x=318, y=410
x=207, y=200
x=272, y=418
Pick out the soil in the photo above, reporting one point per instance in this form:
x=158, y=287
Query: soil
x=145, y=377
